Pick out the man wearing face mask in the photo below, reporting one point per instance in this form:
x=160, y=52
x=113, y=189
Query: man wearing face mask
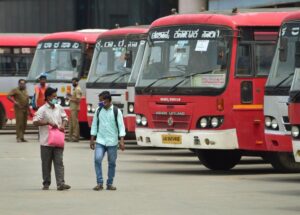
x=107, y=127
x=20, y=98
x=75, y=108
x=53, y=115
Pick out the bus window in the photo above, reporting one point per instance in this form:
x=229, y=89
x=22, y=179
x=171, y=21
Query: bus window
x=155, y=66
x=87, y=62
x=244, y=60
x=264, y=55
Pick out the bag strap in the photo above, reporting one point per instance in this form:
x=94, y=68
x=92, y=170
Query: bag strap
x=98, y=120
x=116, y=117
x=115, y=109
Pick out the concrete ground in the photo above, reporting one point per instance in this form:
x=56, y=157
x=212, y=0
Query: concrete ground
x=149, y=181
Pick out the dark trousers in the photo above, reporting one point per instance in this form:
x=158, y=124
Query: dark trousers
x=55, y=154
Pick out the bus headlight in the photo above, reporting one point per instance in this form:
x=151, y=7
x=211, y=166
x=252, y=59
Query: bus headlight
x=89, y=107
x=130, y=108
x=295, y=131
x=268, y=121
x=214, y=122
x=67, y=102
x=138, y=119
x=144, y=121
x=59, y=101
x=203, y=122
x=274, y=124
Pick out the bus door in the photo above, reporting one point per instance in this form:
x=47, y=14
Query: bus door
x=253, y=62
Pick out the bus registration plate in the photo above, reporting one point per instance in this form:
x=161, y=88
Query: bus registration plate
x=171, y=139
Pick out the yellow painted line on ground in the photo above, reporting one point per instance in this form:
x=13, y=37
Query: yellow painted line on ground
x=248, y=107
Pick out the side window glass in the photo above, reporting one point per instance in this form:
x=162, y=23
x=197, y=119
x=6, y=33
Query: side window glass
x=264, y=55
x=243, y=64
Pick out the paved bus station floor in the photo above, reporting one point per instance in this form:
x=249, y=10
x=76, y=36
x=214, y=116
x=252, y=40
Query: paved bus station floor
x=149, y=181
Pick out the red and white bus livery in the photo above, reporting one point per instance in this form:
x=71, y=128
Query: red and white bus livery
x=112, y=65
x=201, y=84
x=61, y=57
x=16, y=54
x=277, y=122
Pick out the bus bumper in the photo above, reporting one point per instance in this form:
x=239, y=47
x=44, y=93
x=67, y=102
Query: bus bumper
x=194, y=139
x=296, y=150
x=278, y=141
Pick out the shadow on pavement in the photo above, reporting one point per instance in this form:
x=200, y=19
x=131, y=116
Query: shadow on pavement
x=248, y=171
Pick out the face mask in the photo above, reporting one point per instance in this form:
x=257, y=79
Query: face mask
x=101, y=104
x=53, y=101
x=74, y=85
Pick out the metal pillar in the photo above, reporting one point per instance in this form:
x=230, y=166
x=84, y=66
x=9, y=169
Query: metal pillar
x=192, y=6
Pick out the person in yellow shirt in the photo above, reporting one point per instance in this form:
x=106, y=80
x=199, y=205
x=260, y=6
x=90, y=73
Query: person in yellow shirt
x=75, y=98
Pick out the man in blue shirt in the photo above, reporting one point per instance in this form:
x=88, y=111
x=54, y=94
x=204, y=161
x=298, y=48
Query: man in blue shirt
x=107, y=126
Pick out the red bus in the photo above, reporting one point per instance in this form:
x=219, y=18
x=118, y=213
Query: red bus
x=16, y=54
x=111, y=69
x=55, y=56
x=291, y=55
x=277, y=124
x=202, y=80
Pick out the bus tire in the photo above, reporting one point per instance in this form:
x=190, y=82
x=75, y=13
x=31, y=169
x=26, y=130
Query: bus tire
x=284, y=162
x=219, y=159
x=84, y=130
x=2, y=117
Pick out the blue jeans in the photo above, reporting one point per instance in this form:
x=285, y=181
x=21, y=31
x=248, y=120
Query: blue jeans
x=111, y=157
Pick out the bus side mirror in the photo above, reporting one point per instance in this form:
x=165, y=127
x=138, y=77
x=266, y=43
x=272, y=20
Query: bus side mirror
x=221, y=58
x=283, y=49
x=74, y=63
x=297, y=55
x=128, y=58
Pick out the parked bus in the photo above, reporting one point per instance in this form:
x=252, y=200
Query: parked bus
x=16, y=54
x=113, y=60
x=277, y=123
x=61, y=57
x=290, y=56
x=201, y=84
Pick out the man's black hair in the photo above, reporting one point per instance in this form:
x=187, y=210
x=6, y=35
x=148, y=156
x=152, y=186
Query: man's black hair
x=49, y=91
x=105, y=95
x=43, y=77
x=75, y=79
x=22, y=79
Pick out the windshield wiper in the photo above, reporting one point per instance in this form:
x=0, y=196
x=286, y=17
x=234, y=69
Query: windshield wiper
x=161, y=78
x=120, y=76
x=47, y=72
x=171, y=89
x=105, y=75
x=286, y=78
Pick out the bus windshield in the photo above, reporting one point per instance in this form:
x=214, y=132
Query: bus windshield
x=137, y=63
x=186, y=57
x=15, y=61
x=60, y=60
x=113, y=60
x=282, y=69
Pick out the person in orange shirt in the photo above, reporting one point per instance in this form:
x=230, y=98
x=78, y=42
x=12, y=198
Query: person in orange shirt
x=39, y=91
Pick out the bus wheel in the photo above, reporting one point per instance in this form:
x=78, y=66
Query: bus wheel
x=219, y=159
x=84, y=130
x=284, y=162
x=2, y=117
